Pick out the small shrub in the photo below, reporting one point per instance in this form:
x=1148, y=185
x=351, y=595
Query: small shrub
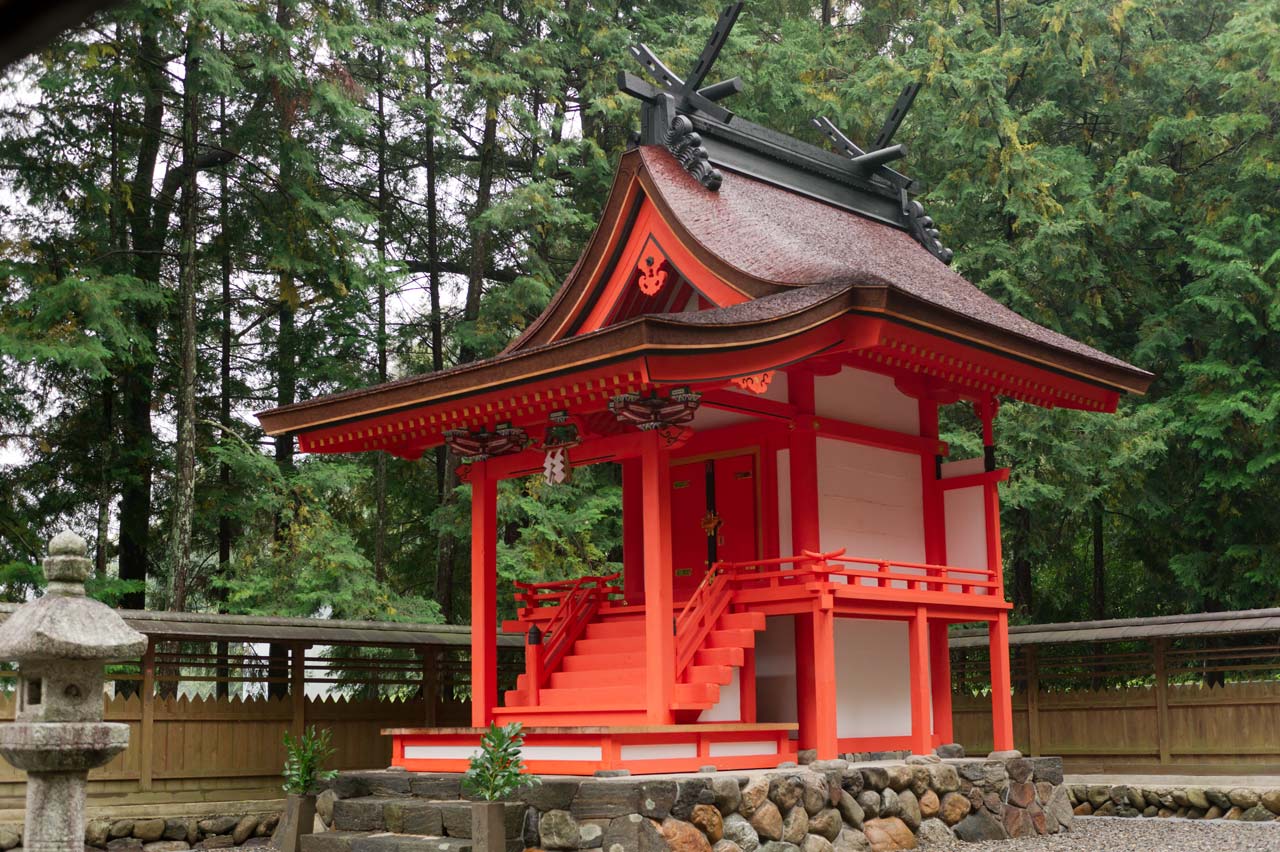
x=304, y=758
x=495, y=771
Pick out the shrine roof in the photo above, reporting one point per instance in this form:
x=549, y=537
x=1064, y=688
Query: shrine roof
x=764, y=237
x=786, y=239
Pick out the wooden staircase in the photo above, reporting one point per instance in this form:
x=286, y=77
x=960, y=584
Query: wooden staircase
x=603, y=671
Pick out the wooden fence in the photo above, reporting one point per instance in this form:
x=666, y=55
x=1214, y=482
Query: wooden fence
x=1157, y=707
x=221, y=747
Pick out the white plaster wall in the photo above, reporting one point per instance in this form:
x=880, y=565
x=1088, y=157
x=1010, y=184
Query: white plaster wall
x=873, y=687
x=777, y=390
x=729, y=707
x=966, y=523
x=714, y=418
x=784, y=504
x=776, y=670
x=871, y=399
x=870, y=501
x=963, y=467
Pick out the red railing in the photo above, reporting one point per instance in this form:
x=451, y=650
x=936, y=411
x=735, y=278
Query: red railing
x=699, y=616
x=538, y=600
x=571, y=605
x=878, y=573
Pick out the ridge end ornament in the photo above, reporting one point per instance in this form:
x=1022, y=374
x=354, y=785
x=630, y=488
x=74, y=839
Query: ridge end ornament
x=923, y=229
x=664, y=116
x=873, y=164
x=686, y=146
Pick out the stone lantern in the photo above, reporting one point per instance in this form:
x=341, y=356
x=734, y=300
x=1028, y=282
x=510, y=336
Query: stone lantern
x=61, y=643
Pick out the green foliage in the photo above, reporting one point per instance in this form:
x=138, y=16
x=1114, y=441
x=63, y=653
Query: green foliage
x=304, y=761
x=1106, y=168
x=495, y=771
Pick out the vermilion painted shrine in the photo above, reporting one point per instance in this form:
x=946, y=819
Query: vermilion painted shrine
x=761, y=333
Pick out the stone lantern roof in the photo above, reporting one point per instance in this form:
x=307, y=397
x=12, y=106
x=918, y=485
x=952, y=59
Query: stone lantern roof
x=65, y=624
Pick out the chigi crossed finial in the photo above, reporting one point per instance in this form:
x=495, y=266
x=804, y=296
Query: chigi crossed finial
x=873, y=163
x=675, y=110
x=667, y=126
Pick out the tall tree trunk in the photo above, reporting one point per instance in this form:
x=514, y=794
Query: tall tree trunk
x=185, y=451
x=101, y=553
x=1022, y=588
x=1099, y=601
x=286, y=345
x=445, y=569
x=137, y=440
x=223, y=685
x=445, y=462
x=380, y=468
x=479, y=232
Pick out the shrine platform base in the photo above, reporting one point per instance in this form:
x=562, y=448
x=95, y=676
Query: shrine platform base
x=642, y=750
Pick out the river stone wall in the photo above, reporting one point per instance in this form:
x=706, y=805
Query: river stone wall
x=825, y=806
x=1250, y=804
x=166, y=834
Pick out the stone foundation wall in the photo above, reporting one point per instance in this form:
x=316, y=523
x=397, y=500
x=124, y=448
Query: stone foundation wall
x=824, y=806
x=166, y=834
x=1191, y=801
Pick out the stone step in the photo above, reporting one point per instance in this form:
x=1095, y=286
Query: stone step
x=371, y=841
x=414, y=816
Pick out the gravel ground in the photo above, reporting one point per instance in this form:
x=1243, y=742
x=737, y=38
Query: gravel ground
x=1112, y=834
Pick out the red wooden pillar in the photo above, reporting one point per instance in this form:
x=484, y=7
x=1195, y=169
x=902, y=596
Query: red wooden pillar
x=632, y=532
x=484, y=595
x=933, y=505
x=659, y=636
x=940, y=681
x=1001, y=700
x=825, y=738
x=918, y=643
x=747, y=687
x=815, y=640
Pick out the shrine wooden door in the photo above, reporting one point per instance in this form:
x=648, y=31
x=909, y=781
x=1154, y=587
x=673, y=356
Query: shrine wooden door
x=713, y=517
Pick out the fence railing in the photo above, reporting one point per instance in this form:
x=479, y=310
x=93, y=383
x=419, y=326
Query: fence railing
x=208, y=719
x=1190, y=704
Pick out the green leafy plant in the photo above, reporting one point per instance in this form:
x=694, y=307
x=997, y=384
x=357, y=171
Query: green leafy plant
x=495, y=771
x=303, y=758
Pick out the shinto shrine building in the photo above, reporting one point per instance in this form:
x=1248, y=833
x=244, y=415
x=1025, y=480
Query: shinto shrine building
x=761, y=332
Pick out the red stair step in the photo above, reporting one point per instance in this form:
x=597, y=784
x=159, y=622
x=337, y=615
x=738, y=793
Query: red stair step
x=630, y=695
x=614, y=645
x=719, y=675
x=696, y=693
x=719, y=657
x=597, y=678
x=615, y=629
x=731, y=639
x=578, y=662
x=741, y=621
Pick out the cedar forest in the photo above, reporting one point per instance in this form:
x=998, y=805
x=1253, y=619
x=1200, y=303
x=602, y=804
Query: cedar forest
x=211, y=207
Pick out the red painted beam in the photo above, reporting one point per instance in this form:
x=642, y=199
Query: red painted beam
x=871, y=436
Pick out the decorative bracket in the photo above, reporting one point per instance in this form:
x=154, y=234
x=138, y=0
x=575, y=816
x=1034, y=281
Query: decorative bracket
x=478, y=446
x=652, y=275
x=757, y=383
x=648, y=413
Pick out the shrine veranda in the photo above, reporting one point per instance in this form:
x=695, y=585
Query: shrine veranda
x=761, y=333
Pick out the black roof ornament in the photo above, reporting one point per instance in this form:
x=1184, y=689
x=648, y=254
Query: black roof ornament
x=686, y=118
x=665, y=106
x=873, y=163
